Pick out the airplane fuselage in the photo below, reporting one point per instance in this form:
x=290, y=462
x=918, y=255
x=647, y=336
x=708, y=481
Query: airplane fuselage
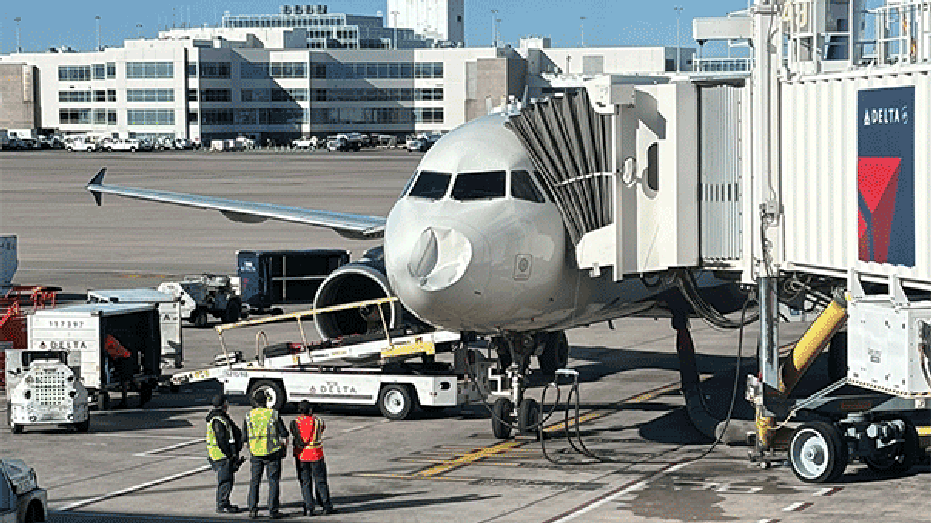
x=470, y=247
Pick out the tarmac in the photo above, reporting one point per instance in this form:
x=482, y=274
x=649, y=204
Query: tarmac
x=149, y=464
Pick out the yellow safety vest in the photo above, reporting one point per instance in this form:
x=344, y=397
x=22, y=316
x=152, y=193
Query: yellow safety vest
x=263, y=432
x=213, y=449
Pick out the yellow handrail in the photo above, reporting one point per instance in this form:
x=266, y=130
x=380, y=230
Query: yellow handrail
x=297, y=316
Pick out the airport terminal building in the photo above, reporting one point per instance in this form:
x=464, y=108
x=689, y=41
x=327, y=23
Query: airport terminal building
x=278, y=83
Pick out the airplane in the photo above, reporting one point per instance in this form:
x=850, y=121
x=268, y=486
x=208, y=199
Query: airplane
x=474, y=244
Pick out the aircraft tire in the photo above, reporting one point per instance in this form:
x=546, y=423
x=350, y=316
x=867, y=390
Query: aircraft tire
x=528, y=416
x=501, y=418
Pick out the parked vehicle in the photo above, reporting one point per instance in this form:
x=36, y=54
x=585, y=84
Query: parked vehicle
x=305, y=143
x=82, y=145
x=345, y=142
x=205, y=294
x=21, y=499
x=126, y=145
x=183, y=144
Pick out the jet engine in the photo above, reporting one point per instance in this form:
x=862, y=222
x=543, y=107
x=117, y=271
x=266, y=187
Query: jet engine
x=364, y=279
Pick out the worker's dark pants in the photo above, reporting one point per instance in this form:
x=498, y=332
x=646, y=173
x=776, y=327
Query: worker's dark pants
x=312, y=475
x=273, y=462
x=225, y=475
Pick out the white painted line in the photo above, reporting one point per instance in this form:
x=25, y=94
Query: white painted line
x=639, y=485
x=138, y=435
x=353, y=429
x=169, y=447
x=798, y=505
x=829, y=491
x=135, y=488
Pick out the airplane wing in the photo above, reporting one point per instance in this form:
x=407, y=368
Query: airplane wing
x=355, y=226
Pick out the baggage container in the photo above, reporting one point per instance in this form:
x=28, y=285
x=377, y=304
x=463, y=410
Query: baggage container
x=169, y=316
x=81, y=332
x=279, y=277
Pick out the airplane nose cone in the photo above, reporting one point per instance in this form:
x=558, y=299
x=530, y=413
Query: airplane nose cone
x=423, y=255
x=439, y=258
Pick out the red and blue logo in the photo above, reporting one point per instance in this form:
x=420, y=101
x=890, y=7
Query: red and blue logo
x=886, y=176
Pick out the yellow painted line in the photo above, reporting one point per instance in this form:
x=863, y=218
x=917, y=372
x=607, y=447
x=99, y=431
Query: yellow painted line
x=596, y=414
x=924, y=431
x=465, y=459
x=499, y=449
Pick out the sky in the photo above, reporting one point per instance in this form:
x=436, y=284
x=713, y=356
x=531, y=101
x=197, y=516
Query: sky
x=55, y=23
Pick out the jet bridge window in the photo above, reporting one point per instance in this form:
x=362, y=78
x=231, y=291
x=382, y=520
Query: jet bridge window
x=431, y=185
x=479, y=186
x=523, y=188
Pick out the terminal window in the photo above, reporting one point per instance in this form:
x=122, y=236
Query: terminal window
x=150, y=95
x=137, y=70
x=150, y=117
x=74, y=73
x=214, y=69
x=74, y=116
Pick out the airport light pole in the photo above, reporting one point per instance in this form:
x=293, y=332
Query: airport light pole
x=582, y=25
x=494, y=28
x=139, y=30
x=497, y=31
x=97, y=20
x=19, y=48
x=678, y=10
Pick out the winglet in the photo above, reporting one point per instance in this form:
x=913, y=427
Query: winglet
x=97, y=180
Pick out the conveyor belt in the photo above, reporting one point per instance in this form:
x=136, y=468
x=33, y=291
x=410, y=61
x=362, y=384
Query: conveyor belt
x=569, y=145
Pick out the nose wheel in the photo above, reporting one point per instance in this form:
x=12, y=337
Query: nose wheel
x=516, y=412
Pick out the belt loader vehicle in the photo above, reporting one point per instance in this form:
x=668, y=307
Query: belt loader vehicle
x=21, y=498
x=360, y=371
x=80, y=332
x=43, y=390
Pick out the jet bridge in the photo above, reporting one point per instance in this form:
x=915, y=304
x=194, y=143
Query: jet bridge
x=619, y=158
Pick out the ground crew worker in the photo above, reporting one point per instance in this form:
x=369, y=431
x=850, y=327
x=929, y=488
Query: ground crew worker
x=224, y=441
x=122, y=364
x=307, y=431
x=267, y=437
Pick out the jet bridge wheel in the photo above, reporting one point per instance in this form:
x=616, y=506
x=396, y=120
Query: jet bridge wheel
x=502, y=418
x=396, y=401
x=903, y=458
x=817, y=453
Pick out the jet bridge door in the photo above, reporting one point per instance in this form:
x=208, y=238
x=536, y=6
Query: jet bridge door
x=621, y=161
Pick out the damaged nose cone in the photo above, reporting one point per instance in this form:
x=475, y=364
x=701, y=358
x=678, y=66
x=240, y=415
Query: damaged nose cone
x=423, y=255
x=439, y=258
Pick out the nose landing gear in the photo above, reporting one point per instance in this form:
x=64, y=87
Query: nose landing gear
x=514, y=351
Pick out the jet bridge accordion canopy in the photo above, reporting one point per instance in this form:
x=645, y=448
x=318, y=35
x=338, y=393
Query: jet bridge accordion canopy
x=570, y=146
x=619, y=158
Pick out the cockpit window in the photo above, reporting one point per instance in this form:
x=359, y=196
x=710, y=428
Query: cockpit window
x=523, y=188
x=479, y=186
x=430, y=185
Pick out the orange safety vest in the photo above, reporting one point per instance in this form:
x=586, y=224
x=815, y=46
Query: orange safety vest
x=310, y=430
x=115, y=349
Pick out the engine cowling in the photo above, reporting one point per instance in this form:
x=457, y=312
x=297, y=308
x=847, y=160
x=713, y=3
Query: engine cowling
x=364, y=279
